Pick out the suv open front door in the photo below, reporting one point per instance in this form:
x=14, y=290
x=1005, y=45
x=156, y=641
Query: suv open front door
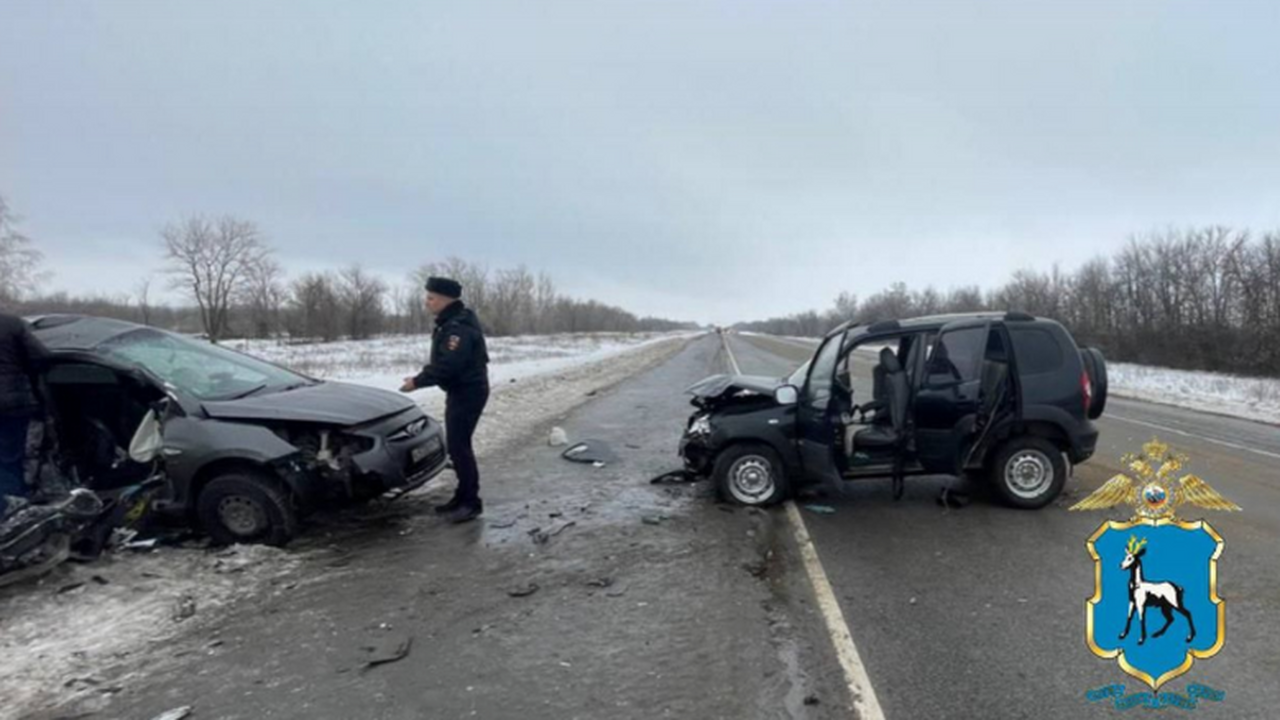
x=949, y=396
x=816, y=429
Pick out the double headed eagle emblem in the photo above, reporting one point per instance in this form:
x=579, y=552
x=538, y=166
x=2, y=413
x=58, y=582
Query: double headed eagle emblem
x=1154, y=491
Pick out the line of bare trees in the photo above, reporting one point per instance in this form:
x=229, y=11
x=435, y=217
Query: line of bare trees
x=227, y=270
x=1202, y=298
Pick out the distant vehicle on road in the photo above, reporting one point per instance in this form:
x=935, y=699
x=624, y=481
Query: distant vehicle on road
x=1006, y=395
x=248, y=447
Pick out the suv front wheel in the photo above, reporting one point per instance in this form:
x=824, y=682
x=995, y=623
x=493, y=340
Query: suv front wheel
x=750, y=475
x=1028, y=472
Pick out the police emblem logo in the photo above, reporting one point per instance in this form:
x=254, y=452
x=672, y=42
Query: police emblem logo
x=1155, y=606
x=454, y=342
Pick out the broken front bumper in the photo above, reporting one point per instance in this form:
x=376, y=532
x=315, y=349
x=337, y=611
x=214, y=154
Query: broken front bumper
x=403, y=452
x=697, y=454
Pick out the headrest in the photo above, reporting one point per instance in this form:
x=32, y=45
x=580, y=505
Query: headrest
x=889, y=360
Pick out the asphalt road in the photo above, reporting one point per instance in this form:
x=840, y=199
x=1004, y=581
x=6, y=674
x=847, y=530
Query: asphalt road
x=651, y=601
x=979, y=612
x=658, y=602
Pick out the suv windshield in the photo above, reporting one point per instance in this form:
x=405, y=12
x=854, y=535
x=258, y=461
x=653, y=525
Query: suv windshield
x=200, y=369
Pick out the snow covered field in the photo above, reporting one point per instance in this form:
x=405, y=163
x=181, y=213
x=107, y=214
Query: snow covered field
x=385, y=362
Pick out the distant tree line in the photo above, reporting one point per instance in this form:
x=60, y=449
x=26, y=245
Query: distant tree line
x=1202, y=298
x=235, y=287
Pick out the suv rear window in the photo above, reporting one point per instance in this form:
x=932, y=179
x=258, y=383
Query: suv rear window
x=1037, y=350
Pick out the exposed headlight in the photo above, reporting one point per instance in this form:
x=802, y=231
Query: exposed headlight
x=701, y=425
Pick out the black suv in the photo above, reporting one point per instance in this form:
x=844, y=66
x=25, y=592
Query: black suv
x=1005, y=394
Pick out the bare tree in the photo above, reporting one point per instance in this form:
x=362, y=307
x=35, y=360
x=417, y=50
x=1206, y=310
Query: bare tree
x=264, y=296
x=142, y=293
x=212, y=261
x=544, y=301
x=363, y=298
x=315, y=307
x=19, y=261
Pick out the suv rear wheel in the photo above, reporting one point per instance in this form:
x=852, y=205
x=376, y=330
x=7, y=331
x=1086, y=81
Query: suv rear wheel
x=1028, y=472
x=750, y=475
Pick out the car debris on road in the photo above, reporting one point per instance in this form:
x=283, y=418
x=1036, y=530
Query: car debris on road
x=524, y=590
x=590, y=452
x=387, y=649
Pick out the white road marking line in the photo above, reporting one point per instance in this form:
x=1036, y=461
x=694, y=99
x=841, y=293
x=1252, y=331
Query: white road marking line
x=1184, y=433
x=733, y=361
x=861, y=694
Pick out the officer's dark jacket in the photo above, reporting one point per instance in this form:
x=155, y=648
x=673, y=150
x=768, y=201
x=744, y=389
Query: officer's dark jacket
x=21, y=354
x=459, y=356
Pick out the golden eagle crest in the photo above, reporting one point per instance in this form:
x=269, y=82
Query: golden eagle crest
x=1154, y=491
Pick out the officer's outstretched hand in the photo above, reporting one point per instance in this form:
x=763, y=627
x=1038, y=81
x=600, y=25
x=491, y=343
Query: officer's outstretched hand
x=409, y=385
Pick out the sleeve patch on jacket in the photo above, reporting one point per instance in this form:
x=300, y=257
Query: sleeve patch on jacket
x=454, y=341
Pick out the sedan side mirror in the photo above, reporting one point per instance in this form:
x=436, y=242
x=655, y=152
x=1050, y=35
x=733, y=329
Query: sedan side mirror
x=787, y=395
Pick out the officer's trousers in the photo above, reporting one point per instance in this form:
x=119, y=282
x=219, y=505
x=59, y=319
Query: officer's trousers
x=462, y=409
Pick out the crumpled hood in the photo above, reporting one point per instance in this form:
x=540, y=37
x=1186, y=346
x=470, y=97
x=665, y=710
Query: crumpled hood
x=719, y=387
x=331, y=403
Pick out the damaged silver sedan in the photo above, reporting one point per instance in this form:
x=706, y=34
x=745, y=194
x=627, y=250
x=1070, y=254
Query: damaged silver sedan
x=247, y=448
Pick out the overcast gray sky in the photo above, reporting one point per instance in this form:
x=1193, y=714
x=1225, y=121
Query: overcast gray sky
x=714, y=161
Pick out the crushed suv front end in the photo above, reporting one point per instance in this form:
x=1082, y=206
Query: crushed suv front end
x=695, y=445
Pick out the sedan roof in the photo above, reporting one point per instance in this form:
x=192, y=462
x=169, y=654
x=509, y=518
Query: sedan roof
x=78, y=332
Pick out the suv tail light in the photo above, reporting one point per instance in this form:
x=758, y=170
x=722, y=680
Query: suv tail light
x=1086, y=388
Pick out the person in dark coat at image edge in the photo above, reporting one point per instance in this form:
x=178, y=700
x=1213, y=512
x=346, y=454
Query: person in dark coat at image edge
x=459, y=366
x=21, y=355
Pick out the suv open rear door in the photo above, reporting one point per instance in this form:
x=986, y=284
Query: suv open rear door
x=949, y=395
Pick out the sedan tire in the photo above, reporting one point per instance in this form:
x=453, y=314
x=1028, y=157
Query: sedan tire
x=247, y=507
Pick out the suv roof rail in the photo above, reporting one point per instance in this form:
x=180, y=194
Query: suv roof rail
x=1015, y=316
x=884, y=326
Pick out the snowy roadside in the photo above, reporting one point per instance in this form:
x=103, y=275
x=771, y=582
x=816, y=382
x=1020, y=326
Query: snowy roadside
x=1243, y=397
x=384, y=362
x=73, y=639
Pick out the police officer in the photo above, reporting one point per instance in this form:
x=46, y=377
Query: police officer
x=459, y=366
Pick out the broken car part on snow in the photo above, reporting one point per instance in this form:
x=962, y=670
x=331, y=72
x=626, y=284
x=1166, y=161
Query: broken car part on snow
x=69, y=521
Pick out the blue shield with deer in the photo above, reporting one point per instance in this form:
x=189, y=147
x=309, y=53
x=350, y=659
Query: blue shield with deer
x=1155, y=605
